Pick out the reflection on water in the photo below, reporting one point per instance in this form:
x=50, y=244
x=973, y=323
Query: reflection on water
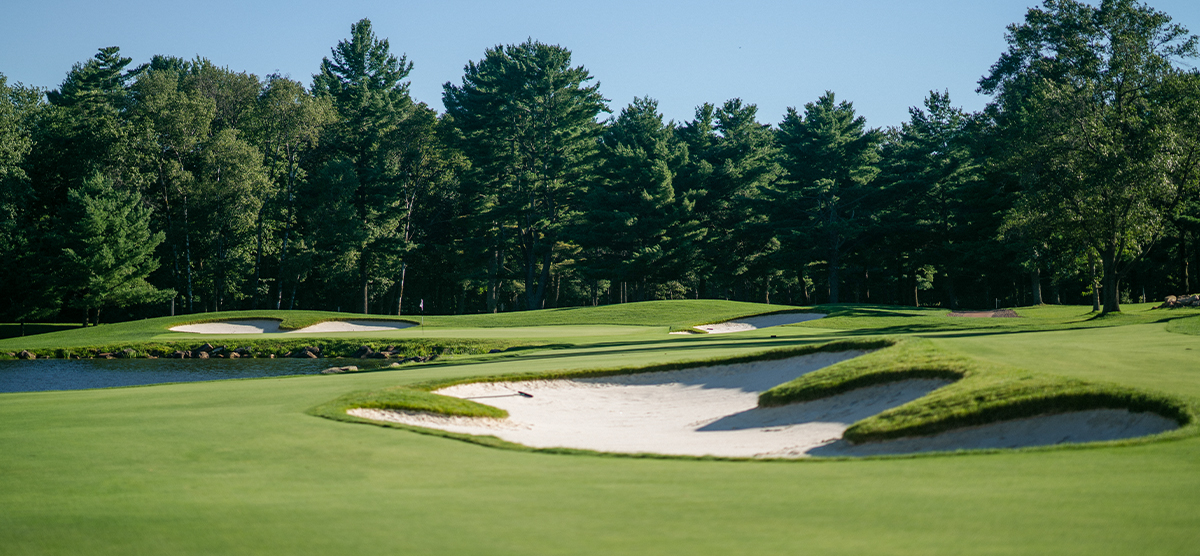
x=61, y=374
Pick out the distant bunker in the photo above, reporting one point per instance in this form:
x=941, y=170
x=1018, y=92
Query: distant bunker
x=713, y=411
x=754, y=323
x=270, y=326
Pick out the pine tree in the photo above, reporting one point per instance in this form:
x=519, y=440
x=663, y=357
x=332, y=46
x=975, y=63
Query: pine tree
x=830, y=158
x=107, y=248
x=529, y=128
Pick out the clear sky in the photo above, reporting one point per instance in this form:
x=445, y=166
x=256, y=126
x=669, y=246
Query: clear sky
x=884, y=56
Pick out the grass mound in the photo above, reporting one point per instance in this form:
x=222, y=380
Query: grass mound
x=408, y=399
x=983, y=393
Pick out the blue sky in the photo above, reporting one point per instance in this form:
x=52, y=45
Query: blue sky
x=884, y=56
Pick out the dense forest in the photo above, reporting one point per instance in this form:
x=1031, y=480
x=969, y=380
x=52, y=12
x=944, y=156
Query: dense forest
x=178, y=186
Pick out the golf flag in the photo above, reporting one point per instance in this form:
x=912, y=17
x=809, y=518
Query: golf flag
x=422, y=305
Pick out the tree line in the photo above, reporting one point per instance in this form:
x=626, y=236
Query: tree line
x=178, y=186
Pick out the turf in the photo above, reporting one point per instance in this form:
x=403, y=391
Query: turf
x=239, y=467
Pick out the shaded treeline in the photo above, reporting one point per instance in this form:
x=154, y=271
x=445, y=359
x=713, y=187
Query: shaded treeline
x=182, y=186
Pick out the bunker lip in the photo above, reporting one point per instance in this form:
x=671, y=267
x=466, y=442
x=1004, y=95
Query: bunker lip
x=712, y=411
x=270, y=326
x=756, y=322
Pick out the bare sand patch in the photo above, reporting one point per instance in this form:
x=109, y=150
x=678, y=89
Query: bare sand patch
x=754, y=323
x=356, y=326
x=1094, y=425
x=247, y=326
x=702, y=411
x=267, y=326
x=997, y=314
x=714, y=411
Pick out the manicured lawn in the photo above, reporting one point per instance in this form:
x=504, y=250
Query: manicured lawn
x=240, y=468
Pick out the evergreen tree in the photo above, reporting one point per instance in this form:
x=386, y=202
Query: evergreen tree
x=365, y=83
x=930, y=179
x=830, y=159
x=529, y=128
x=107, y=248
x=634, y=229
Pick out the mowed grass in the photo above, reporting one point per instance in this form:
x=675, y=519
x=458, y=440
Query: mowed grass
x=240, y=468
x=567, y=323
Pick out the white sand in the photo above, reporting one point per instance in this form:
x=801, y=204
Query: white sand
x=703, y=411
x=754, y=323
x=261, y=326
x=249, y=326
x=713, y=411
x=356, y=326
x=1064, y=428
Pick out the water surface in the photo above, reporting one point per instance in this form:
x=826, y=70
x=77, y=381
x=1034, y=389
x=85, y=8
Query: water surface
x=62, y=374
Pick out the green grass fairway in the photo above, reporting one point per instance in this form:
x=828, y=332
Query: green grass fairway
x=240, y=467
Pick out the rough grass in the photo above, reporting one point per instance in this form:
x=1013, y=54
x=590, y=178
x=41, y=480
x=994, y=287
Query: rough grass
x=983, y=393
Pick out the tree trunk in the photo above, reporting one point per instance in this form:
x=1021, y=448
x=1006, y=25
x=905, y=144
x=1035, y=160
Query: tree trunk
x=400, y=297
x=493, y=281
x=544, y=280
x=1183, y=266
x=257, y=261
x=1112, y=283
x=1035, y=285
x=834, y=261
x=187, y=249
x=362, y=273
x=951, y=295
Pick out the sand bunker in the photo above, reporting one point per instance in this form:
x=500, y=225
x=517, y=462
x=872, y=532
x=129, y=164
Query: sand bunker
x=267, y=326
x=754, y=323
x=1078, y=426
x=713, y=411
x=997, y=314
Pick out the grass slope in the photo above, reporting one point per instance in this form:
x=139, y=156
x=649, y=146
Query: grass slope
x=562, y=323
x=238, y=467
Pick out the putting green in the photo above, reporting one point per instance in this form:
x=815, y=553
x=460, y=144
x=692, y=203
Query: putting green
x=238, y=467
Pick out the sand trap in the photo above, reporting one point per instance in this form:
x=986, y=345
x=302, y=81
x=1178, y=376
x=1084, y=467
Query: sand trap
x=267, y=326
x=754, y=323
x=356, y=326
x=997, y=314
x=713, y=411
x=703, y=411
x=1079, y=426
x=250, y=326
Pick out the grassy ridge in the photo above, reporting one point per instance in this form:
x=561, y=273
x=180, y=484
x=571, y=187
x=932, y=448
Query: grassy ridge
x=1189, y=325
x=409, y=399
x=277, y=346
x=886, y=319
x=680, y=314
x=983, y=393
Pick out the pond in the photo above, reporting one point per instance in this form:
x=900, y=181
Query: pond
x=79, y=374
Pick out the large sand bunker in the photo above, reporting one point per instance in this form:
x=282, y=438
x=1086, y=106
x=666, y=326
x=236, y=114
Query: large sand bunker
x=267, y=326
x=713, y=411
x=754, y=323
